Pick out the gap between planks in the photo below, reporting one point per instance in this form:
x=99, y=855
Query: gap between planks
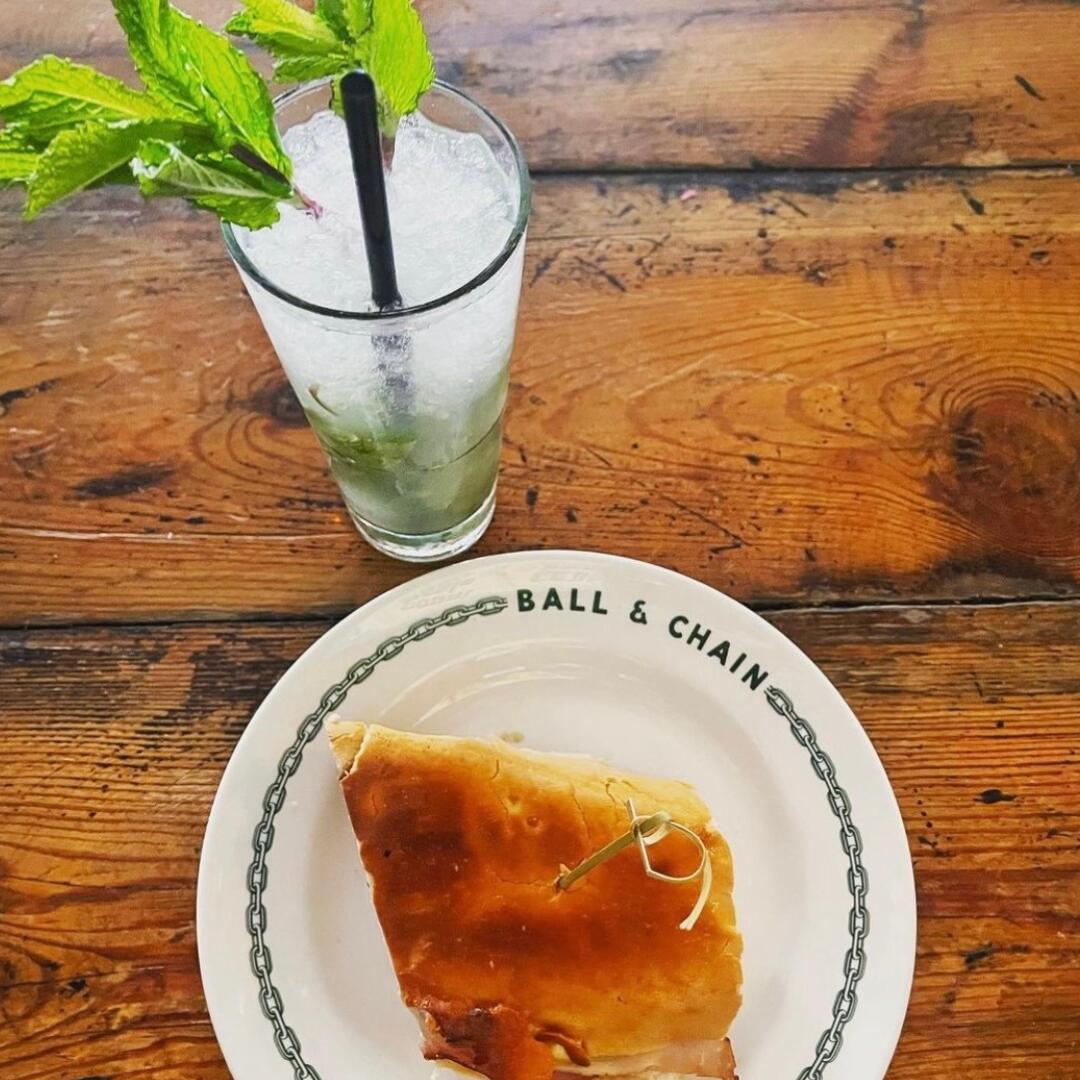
x=765, y=608
x=854, y=172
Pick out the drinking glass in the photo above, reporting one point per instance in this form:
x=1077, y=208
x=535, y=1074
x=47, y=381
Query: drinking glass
x=407, y=403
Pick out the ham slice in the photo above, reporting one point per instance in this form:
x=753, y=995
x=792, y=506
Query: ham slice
x=697, y=1060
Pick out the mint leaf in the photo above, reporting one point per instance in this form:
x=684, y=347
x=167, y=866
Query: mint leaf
x=356, y=15
x=304, y=45
x=304, y=68
x=146, y=26
x=15, y=137
x=250, y=212
x=358, y=449
x=283, y=28
x=395, y=54
x=349, y=19
x=332, y=12
x=214, y=181
x=230, y=88
x=17, y=166
x=18, y=158
x=204, y=73
x=52, y=94
x=83, y=156
x=385, y=37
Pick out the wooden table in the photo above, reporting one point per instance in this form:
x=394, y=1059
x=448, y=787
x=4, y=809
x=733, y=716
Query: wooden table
x=800, y=319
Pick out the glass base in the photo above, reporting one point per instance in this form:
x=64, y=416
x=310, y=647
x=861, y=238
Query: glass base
x=428, y=547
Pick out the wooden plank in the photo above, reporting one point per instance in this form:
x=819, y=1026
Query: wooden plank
x=673, y=82
x=116, y=738
x=798, y=388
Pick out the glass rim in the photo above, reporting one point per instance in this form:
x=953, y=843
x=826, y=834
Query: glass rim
x=517, y=230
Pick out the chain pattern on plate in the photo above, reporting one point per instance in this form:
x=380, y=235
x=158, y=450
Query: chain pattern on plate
x=285, y=1039
x=828, y=1046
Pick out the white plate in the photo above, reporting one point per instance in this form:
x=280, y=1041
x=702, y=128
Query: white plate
x=296, y=974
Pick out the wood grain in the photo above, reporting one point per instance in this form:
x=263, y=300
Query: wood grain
x=796, y=387
x=657, y=83
x=115, y=740
x=801, y=387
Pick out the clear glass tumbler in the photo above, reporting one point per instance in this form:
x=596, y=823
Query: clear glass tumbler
x=407, y=404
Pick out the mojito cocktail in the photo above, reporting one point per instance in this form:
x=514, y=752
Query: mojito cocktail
x=407, y=403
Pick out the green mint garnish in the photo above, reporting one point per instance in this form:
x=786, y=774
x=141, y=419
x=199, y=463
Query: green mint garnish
x=68, y=127
x=203, y=126
x=202, y=73
x=384, y=37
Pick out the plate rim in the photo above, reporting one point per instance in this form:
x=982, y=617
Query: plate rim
x=829, y=1044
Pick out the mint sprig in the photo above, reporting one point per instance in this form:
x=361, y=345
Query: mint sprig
x=68, y=127
x=204, y=74
x=202, y=126
x=384, y=37
x=395, y=54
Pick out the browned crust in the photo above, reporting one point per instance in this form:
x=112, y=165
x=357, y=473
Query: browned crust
x=463, y=841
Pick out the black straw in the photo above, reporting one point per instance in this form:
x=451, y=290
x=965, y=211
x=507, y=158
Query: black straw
x=362, y=124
